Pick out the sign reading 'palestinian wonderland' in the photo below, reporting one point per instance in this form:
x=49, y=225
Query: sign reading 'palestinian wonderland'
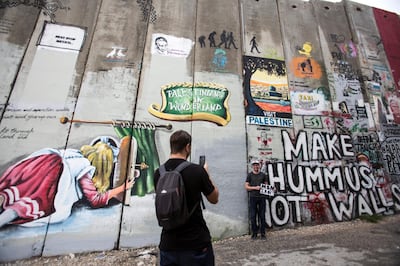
x=198, y=101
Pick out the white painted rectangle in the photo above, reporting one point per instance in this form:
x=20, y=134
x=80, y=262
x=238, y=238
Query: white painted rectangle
x=62, y=37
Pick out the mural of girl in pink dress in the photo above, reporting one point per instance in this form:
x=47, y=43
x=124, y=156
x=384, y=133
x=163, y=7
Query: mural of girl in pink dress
x=43, y=187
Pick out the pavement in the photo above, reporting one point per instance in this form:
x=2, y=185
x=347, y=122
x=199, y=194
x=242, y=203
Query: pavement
x=357, y=242
x=345, y=243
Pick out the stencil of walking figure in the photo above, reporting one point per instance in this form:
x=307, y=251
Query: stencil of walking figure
x=224, y=40
x=211, y=38
x=231, y=41
x=253, y=44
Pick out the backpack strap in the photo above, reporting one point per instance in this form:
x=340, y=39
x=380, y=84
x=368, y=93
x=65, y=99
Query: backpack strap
x=179, y=168
x=162, y=169
x=182, y=166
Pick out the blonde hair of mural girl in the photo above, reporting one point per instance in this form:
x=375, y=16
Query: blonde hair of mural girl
x=100, y=156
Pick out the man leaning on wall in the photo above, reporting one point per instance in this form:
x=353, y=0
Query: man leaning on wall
x=257, y=202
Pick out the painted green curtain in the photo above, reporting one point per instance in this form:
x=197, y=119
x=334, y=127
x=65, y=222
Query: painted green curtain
x=147, y=153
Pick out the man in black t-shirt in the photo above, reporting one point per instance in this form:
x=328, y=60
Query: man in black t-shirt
x=256, y=200
x=189, y=244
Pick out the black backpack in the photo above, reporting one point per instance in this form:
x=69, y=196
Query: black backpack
x=170, y=202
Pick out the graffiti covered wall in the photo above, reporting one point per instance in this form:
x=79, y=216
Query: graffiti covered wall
x=89, y=99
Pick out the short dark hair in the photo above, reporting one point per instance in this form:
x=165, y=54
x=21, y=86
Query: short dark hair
x=160, y=39
x=178, y=141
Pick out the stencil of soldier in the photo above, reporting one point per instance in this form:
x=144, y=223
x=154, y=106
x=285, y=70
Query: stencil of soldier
x=231, y=41
x=224, y=40
x=253, y=44
x=211, y=38
x=202, y=41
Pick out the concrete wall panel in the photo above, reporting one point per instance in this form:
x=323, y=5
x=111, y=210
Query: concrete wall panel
x=341, y=61
x=310, y=101
x=388, y=24
x=262, y=40
x=29, y=126
x=218, y=68
x=108, y=93
x=168, y=61
x=219, y=29
x=376, y=76
x=306, y=73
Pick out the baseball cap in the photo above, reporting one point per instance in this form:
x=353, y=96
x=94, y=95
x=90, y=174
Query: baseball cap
x=255, y=162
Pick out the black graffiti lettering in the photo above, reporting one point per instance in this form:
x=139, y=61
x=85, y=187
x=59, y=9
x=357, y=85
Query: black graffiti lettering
x=396, y=195
x=367, y=177
x=365, y=146
x=382, y=198
x=392, y=163
x=318, y=147
x=362, y=205
x=283, y=209
x=314, y=177
x=352, y=178
x=339, y=209
x=346, y=145
x=336, y=55
x=296, y=179
x=334, y=177
x=276, y=175
x=324, y=146
x=296, y=213
x=301, y=146
x=332, y=149
x=280, y=210
x=350, y=191
x=377, y=209
x=389, y=163
x=295, y=182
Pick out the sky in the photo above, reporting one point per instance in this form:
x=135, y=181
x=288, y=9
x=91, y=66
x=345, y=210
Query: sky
x=388, y=5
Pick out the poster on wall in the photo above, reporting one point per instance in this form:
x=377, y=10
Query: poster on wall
x=308, y=103
x=347, y=90
x=266, y=91
x=62, y=36
x=168, y=45
x=391, y=150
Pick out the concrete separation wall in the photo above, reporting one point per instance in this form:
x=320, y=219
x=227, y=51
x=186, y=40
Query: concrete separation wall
x=310, y=88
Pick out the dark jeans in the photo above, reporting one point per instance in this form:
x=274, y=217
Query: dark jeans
x=257, y=212
x=203, y=257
